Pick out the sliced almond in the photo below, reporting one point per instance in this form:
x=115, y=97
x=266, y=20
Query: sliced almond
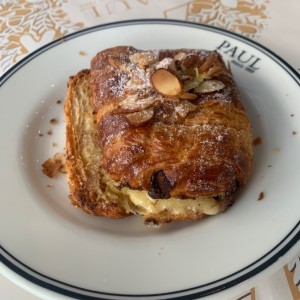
x=114, y=63
x=209, y=86
x=133, y=103
x=189, y=85
x=180, y=56
x=166, y=83
x=190, y=61
x=144, y=59
x=208, y=63
x=143, y=63
x=184, y=107
x=188, y=96
x=214, y=71
x=167, y=63
x=117, y=64
x=140, y=117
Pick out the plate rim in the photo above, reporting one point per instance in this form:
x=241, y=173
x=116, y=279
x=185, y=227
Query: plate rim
x=197, y=294
x=291, y=238
x=282, y=62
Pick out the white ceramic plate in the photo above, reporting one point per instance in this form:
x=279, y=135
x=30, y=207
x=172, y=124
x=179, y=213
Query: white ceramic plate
x=52, y=248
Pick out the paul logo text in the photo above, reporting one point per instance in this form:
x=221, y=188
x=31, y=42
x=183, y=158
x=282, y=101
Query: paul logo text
x=240, y=57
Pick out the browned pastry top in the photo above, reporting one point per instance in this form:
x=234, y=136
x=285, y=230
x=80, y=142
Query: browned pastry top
x=194, y=143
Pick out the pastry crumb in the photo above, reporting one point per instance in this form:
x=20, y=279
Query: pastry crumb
x=261, y=196
x=294, y=132
x=49, y=132
x=257, y=141
x=58, y=102
x=54, y=144
x=49, y=186
x=53, y=121
x=53, y=166
x=82, y=53
x=276, y=149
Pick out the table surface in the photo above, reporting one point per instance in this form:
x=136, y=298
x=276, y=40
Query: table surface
x=273, y=23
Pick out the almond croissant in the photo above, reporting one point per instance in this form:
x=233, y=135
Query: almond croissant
x=160, y=133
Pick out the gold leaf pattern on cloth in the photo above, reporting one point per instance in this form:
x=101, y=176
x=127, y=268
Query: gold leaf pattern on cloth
x=27, y=25
x=292, y=273
x=246, y=17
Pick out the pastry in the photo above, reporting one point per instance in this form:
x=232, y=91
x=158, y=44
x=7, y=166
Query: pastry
x=158, y=133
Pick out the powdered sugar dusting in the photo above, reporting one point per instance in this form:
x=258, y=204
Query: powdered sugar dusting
x=166, y=63
x=219, y=138
x=179, y=135
x=118, y=89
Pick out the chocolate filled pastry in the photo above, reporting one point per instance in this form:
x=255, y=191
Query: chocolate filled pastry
x=160, y=133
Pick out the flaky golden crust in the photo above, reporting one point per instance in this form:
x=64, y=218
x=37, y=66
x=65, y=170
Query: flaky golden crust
x=132, y=148
x=91, y=190
x=88, y=189
x=187, y=148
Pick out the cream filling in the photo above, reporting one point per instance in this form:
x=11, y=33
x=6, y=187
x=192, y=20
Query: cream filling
x=144, y=202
